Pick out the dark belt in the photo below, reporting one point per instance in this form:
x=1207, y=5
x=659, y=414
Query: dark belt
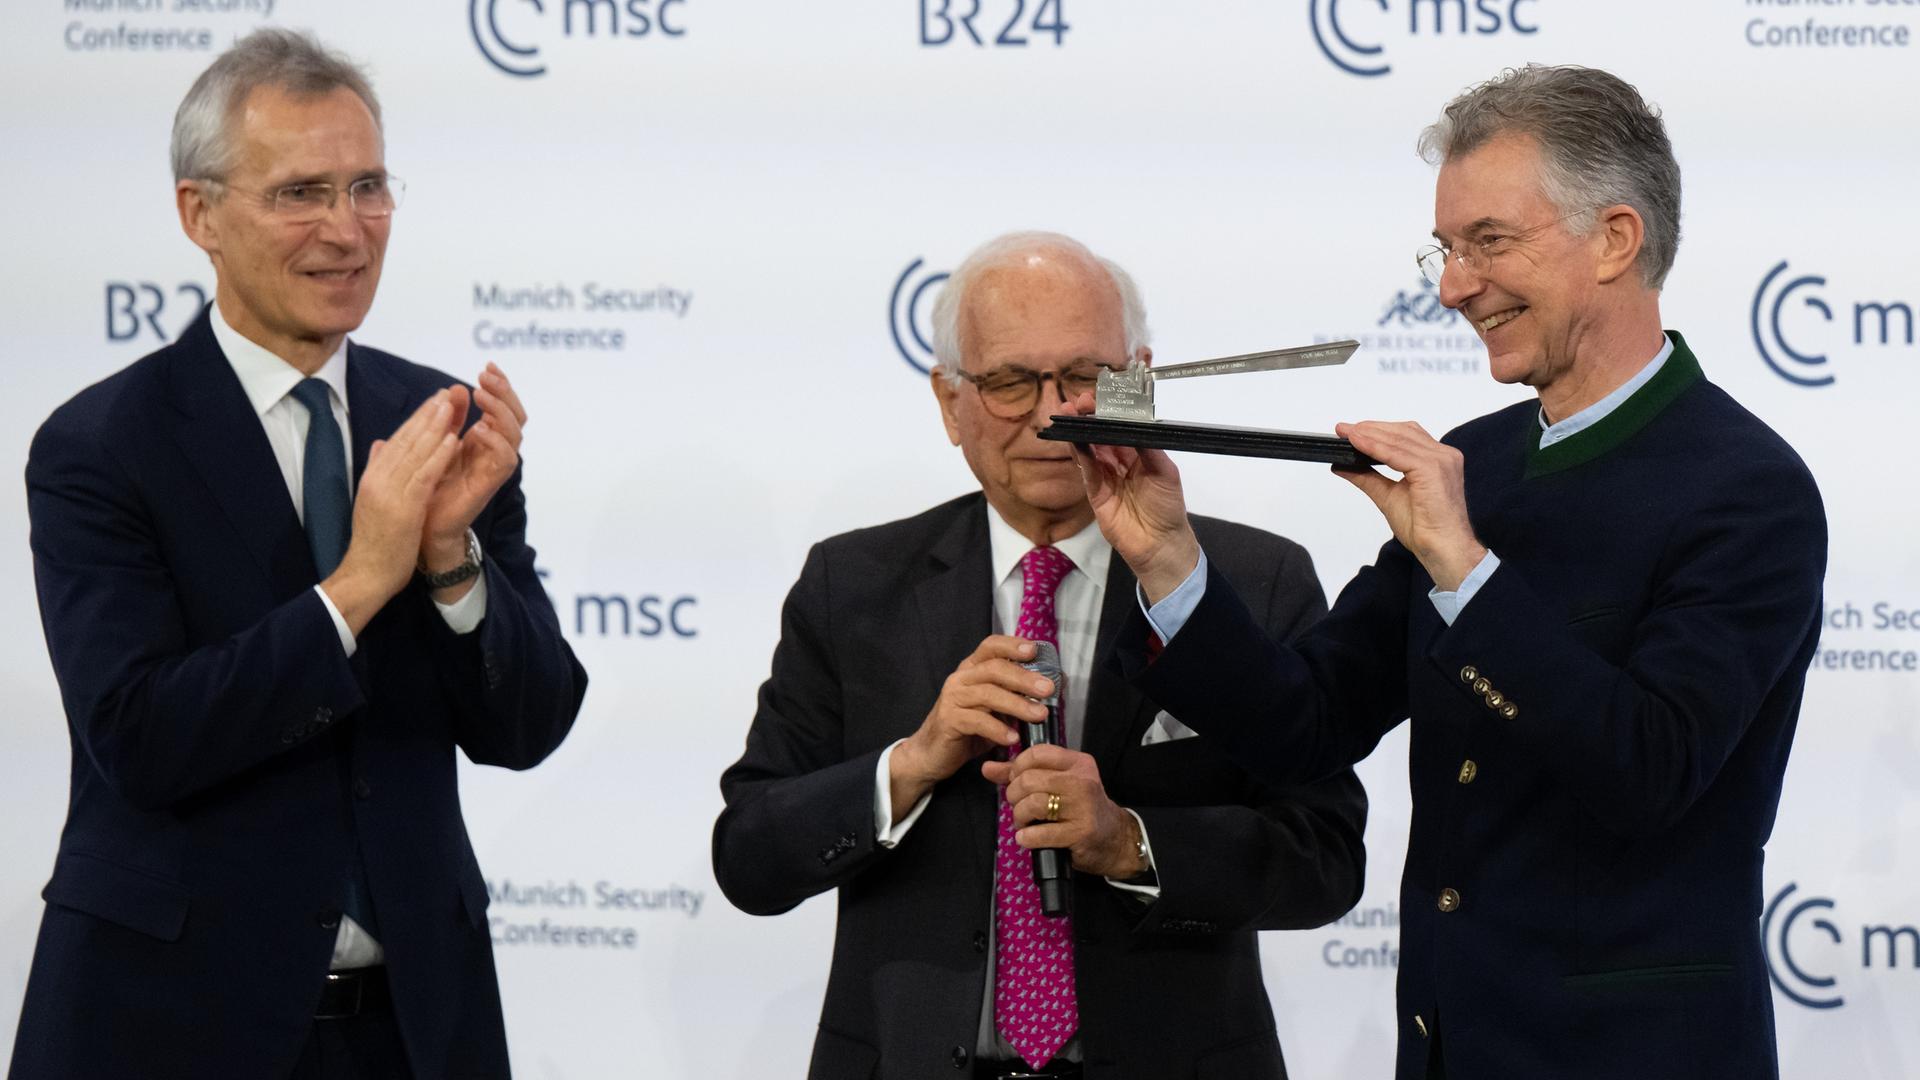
x=1020, y=1070
x=352, y=992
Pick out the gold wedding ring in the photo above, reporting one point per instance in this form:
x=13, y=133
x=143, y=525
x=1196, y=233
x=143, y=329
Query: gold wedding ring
x=1053, y=807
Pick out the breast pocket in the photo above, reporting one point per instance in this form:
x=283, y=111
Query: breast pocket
x=1166, y=729
x=1182, y=772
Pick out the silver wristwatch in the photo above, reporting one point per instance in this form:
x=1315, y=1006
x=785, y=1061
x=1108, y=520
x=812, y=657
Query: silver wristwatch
x=468, y=569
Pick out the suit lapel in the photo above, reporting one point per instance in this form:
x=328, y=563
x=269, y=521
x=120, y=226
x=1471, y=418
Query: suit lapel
x=376, y=404
x=1112, y=705
x=954, y=603
x=217, y=429
x=955, y=598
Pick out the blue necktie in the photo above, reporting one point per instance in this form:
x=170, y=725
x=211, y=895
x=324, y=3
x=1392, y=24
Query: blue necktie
x=328, y=511
x=324, y=500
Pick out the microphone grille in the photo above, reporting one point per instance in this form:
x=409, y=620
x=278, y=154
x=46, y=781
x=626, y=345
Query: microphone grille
x=1046, y=661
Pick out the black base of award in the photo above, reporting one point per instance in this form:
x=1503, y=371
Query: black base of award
x=1206, y=439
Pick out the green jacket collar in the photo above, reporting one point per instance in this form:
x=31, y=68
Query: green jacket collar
x=1680, y=371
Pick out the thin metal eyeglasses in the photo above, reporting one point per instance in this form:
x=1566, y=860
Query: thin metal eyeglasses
x=1478, y=253
x=309, y=201
x=1011, y=392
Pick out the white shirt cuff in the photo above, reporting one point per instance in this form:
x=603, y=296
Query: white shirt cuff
x=1175, y=608
x=1450, y=604
x=885, y=832
x=1150, y=891
x=465, y=613
x=347, y=644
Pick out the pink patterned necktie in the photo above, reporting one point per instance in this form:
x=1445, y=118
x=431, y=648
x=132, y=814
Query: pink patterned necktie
x=1034, y=1005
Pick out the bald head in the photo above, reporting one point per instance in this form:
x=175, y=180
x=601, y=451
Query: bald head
x=1024, y=319
x=1020, y=272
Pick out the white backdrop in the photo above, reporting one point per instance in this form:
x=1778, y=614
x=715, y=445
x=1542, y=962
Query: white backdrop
x=738, y=189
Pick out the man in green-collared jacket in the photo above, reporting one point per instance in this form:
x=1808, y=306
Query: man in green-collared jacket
x=1597, y=610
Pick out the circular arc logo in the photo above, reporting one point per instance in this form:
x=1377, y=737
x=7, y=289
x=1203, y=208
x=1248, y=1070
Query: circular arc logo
x=1767, y=332
x=903, y=317
x=1351, y=57
x=1813, y=991
x=521, y=61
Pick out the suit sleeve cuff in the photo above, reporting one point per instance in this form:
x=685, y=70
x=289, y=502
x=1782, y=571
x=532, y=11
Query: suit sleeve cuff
x=1171, y=613
x=347, y=643
x=464, y=614
x=1450, y=604
x=885, y=832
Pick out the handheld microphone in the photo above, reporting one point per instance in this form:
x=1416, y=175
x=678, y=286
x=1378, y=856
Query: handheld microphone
x=1052, y=867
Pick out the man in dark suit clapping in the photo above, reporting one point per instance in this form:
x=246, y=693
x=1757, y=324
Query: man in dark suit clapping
x=280, y=586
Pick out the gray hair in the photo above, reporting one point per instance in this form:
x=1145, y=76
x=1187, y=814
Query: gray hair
x=1601, y=145
x=292, y=60
x=1004, y=251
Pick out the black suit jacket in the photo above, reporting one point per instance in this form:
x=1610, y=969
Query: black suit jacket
x=227, y=753
x=1173, y=987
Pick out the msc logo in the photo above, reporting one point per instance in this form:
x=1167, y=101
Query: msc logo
x=906, y=314
x=134, y=307
x=503, y=48
x=647, y=615
x=1776, y=322
x=1364, y=53
x=1422, y=308
x=1799, y=962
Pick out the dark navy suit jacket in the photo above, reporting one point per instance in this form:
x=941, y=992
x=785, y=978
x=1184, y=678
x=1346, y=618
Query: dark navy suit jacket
x=227, y=753
x=1597, y=741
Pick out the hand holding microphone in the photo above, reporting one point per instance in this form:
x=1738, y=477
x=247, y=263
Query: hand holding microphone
x=1061, y=806
x=1052, y=869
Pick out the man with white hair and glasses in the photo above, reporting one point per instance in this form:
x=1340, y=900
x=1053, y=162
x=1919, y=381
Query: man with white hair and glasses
x=283, y=576
x=1597, y=609
x=875, y=766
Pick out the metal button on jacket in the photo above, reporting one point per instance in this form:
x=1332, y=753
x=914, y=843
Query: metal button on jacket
x=1449, y=900
x=1468, y=770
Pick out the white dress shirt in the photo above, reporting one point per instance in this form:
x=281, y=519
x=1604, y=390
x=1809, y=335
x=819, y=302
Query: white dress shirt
x=1076, y=609
x=1076, y=612
x=268, y=382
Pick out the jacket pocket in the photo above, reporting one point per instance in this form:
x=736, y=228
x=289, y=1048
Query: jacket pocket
x=1249, y=1059
x=839, y=1057
x=123, y=895
x=1676, y=976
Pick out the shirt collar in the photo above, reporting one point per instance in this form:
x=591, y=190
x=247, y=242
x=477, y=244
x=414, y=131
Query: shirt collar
x=1594, y=413
x=1087, y=548
x=264, y=377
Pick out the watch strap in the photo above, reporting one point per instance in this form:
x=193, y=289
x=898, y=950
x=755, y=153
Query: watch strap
x=465, y=571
